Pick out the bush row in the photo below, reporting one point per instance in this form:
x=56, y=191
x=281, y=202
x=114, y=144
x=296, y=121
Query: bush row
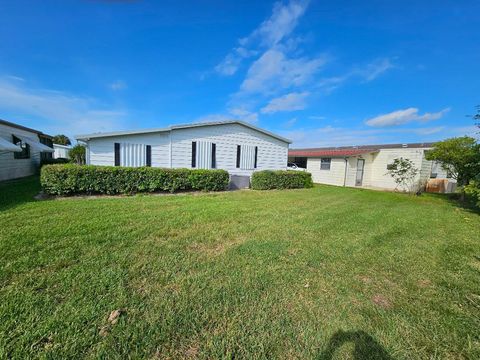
x=54, y=161
x=71, y=179
x=281, y=179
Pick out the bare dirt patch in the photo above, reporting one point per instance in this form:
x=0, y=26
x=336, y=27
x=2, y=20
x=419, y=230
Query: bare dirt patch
x=381, y=301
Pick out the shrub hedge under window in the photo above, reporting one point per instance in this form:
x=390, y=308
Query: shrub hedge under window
x=72, y=179
x=281, y=179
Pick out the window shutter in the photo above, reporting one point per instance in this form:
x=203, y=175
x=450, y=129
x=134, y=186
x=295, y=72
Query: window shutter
x=149, y=155
x=256, y=157
x=239, y=151
x=214, y=156
x=194, y=154
x=117, y=154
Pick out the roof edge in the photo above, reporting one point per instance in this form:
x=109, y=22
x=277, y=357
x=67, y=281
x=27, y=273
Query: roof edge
x=86, y=137
x=21, y=127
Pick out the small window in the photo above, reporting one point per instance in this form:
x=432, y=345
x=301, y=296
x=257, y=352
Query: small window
x=325, y=163
x=239, y=153
x=390, y=167
x=117, y=154
x=256, y=157
x=148, y=161
x=25, y=153
x=194, y=154
x=214, y=156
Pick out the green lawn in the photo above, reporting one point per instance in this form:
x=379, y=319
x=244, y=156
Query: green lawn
x=323, y=273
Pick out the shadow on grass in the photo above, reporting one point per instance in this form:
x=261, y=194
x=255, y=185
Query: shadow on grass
x=454, y=199
x=366, y=347
x=19, y=191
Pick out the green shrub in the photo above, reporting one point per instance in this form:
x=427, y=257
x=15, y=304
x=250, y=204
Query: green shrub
x=281, y=179
x=87, y=179
x=54, y=161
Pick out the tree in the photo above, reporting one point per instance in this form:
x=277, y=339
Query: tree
x=476, y=117
x=77, y=154
x=459, y=156
x=403, y=172
x=61, y=140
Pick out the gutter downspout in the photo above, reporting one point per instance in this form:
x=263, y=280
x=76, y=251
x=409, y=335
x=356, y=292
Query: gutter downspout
x=345, y=173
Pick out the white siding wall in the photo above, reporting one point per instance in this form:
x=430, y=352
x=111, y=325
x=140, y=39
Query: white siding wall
x=60, y=151
x=272, y=153
x=334, y=176
x=11, y=168
x=379, y=176
x=101, y=151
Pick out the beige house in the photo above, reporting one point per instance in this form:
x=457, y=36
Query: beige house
x=366, y=166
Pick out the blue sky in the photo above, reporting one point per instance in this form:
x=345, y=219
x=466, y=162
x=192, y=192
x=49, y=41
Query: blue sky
x=319, y=72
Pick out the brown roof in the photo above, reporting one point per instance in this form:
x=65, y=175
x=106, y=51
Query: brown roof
x=352, y=150
x=8, y=123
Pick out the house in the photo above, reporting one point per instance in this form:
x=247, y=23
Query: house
x=61, y=151
x=366, y=166
x=21, y=150
x=235, y=146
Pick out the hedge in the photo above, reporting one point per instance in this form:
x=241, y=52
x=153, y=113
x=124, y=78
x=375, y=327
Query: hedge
x=52, y=161
x=71, y=179
x=281, y=179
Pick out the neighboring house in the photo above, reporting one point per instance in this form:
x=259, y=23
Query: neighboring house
x=61, y=151
x=21, y=150
x=366, y=166
x=235, y=146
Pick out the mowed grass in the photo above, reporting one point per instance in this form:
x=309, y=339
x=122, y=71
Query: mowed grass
x=322, y=273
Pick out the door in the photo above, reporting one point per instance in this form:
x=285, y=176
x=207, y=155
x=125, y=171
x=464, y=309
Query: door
x=359, y=176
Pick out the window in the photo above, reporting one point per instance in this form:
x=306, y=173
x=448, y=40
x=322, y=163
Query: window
x=149, y=155
x=117, y=154
x=25, y=153
x=214, y=156
x=325, y=163
x=46, y=141
x=204, y=155
x=246, y=157
x=239, y=153
x=194, y=154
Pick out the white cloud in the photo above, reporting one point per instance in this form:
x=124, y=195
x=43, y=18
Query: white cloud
x=274, y=71
x=118, y=85
x=232, y=114
x=281, y=23
x=404, y=116
x=375, y=69
x=366, y=73
x=290, y=102
x=340, y=136
x=290, y=123
x=316, y=117
x=429, y=131
x=59, y=111
x=244, y=115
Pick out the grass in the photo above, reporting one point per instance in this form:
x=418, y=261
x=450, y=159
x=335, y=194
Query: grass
x=322, y=273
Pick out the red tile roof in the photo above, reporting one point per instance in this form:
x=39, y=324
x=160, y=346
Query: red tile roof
x=329, y=152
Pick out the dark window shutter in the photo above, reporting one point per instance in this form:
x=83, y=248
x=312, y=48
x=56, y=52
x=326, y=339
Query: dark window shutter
x=194, y=154
x=214, y=156
x=239, y=151
x=117, y=154
x=256, y=157
x=149, y=155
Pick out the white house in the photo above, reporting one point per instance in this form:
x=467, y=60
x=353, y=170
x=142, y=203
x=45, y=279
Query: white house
x=235, y=146
x=61, y=151
x=366, y=166
x=21, y=150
